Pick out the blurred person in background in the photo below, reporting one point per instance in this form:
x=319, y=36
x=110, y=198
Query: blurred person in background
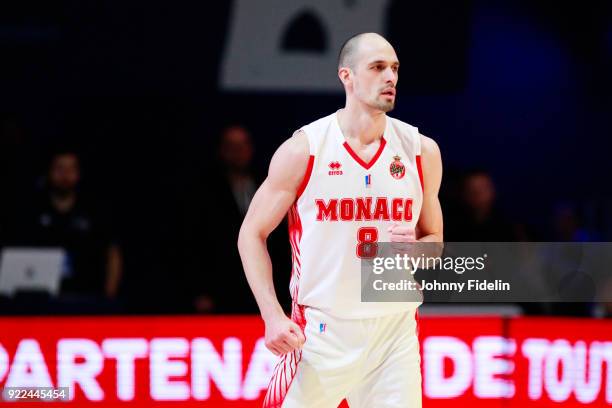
x=230, y=187
x=568, y=226
x=61, y=215
x=478, y=219
x=239, y=183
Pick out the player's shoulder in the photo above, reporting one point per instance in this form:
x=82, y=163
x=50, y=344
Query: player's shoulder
x=319, y=126
x=406, y=134
x=298, y=143
x=290, y=161
x=402, y=128
x=315, y=132
x=296, y=147
x=429, y=146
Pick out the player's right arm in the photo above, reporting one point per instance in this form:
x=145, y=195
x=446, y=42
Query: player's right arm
x=268, y=207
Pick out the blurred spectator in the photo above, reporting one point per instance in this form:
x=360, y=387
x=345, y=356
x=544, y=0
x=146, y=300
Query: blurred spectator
x=568, y=226
x=478, y=219
x=224, y=195
x=475, y=217
x=222, y=198
x=236, y=154
x=60, y=215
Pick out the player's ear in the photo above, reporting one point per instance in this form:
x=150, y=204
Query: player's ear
x=344, y=73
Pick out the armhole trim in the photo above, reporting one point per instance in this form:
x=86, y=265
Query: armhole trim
x=420, y=170
x=306, y=177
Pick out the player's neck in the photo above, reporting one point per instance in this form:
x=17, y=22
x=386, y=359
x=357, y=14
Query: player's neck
x=363, y=125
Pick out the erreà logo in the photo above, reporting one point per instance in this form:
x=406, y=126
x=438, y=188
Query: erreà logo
x=335, y=168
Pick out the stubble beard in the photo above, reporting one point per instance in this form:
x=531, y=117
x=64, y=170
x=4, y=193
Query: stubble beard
x=384, y=105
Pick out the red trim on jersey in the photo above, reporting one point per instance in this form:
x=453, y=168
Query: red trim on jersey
x=286, y=369
x=295, y=235
x=420, y=170
x=358, y=159
x=306, y=177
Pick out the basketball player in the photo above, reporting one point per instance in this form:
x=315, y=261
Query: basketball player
x=356, y=176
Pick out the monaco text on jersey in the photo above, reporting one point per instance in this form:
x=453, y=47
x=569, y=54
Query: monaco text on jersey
x=364, y=209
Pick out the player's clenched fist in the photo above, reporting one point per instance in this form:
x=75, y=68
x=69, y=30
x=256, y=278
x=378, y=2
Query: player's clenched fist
x=401, y=233
x=401, y=237
x=283, y=335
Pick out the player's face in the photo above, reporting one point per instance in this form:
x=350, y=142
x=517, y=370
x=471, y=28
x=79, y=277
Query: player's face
x=376, y=74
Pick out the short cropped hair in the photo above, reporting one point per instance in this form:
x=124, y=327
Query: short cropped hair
x=348, y=52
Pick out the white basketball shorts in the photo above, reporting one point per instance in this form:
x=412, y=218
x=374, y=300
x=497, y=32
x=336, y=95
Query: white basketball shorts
x=371, y=362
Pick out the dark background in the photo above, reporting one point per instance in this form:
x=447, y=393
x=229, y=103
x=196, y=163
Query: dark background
x=520, y=88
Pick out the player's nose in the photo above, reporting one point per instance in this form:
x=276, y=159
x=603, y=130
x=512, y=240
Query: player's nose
x=389, y=75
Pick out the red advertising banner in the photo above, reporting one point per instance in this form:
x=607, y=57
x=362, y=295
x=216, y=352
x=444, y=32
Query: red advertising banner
x=223, y=362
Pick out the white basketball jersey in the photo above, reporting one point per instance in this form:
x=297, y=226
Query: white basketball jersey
x=345, y=205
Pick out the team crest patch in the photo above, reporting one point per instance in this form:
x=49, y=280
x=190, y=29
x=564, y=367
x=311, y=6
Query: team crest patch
x=397, y=168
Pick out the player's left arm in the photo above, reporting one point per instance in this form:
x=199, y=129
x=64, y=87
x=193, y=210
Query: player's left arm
x=430, y=225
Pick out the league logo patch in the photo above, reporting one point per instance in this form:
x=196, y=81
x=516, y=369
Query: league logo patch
x=397, y=168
